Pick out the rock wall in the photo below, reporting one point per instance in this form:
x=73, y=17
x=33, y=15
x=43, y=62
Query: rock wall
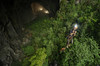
x=12, y=18
x=9, y=41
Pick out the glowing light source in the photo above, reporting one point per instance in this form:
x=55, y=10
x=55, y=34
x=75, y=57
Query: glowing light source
x=47, y=12
x=76, y=26
x=41, y=9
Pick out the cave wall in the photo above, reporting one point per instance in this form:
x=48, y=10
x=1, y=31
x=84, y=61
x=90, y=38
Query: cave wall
x=9, y=40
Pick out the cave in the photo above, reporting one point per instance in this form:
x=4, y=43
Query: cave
x=49, y=32
x=14, y=15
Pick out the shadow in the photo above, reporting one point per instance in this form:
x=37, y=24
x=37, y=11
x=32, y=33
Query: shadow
x=1, y=63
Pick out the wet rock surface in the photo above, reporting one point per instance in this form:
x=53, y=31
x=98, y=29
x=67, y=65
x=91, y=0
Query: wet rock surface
x=9, y=44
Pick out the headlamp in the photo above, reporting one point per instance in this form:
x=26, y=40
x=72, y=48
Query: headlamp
x=75, y=26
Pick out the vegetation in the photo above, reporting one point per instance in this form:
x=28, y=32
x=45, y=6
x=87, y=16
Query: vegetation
x=49, y=36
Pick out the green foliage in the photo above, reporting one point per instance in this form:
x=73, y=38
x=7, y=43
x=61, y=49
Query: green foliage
x=39, y=58
x=28, y=50
x=49, y=36
x=82, y=53
x=25, y=62
x=85, y=16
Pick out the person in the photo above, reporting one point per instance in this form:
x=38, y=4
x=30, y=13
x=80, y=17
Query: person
x=71, y=35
